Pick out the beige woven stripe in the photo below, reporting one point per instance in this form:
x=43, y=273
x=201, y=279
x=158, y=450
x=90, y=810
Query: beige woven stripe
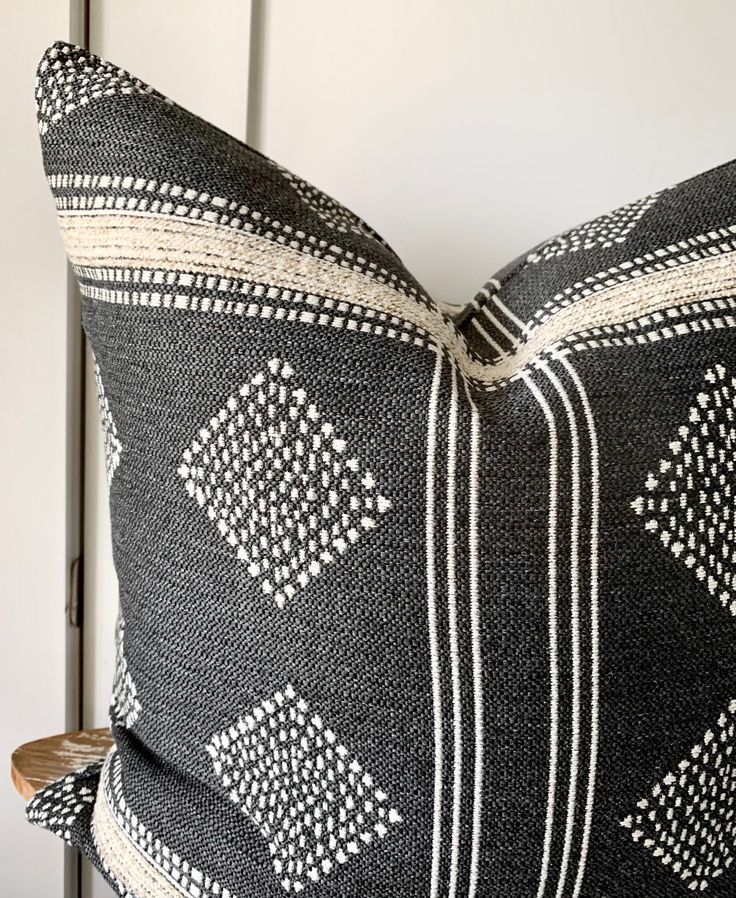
x=701, y=280
x=696, y=281
x=160, y=241
x=124, y=861
x=135, y=240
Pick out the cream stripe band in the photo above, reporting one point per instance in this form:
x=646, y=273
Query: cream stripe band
x=125, y=862
x=127, y=239
x=135, y=857
x=158, y=241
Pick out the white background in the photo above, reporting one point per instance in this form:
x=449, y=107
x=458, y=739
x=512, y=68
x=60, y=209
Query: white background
x=464, y=133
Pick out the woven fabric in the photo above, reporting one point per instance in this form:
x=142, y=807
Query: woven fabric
x=411, y=604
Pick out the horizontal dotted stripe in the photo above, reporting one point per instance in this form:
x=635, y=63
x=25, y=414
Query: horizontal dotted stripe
x=123, y=241
x=136, y=194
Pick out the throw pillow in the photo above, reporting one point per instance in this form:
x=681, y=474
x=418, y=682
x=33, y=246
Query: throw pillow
x=412, y=604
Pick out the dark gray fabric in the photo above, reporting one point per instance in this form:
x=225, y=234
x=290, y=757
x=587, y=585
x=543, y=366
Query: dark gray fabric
x=512, y=610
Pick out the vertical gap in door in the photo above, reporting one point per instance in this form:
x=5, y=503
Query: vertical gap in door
x=255, y=73
x=75, y=390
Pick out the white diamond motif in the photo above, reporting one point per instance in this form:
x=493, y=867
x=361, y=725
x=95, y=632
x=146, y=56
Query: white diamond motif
x=125, y=708
x=113, y=446
x=689, y=499
x=279, y=483
x=311, y=799
x=57, y=806
x=69, y=78
x=687, y=821
x=603, y=232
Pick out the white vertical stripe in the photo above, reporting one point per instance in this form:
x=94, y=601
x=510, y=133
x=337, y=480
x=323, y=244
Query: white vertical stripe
x=594, y=638
x=476, y=649
x=554, y=672
x=508, y=313
x=498, y=324
x=453, y=640
x=574, y=627
x=432, y=623
x=486, y=336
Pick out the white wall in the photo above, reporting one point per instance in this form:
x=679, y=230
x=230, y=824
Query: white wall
x=467, y=132
x=32, y=444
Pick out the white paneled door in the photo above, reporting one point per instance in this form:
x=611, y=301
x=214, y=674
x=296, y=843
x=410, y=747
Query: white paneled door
x=32, y=447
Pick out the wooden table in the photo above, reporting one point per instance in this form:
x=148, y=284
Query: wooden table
x=36, y=764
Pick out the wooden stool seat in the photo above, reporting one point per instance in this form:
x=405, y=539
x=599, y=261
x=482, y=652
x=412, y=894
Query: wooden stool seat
x=36, y=764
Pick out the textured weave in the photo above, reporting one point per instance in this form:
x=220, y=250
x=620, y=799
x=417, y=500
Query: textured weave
x=411, y=605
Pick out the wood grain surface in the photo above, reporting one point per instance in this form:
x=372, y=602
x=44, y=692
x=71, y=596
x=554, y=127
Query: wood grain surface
x=36, y=764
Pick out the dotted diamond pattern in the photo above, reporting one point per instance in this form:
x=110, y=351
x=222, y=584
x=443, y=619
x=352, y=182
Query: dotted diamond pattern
x=602, y=232
x=57, y=806
x=689, y=498
x=113, y=446
x=311, y=799
x=69, y=77
x=279, y=483
x=688, y=819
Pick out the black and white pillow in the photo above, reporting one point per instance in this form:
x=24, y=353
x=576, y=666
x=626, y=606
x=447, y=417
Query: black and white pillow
x=413, y=604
